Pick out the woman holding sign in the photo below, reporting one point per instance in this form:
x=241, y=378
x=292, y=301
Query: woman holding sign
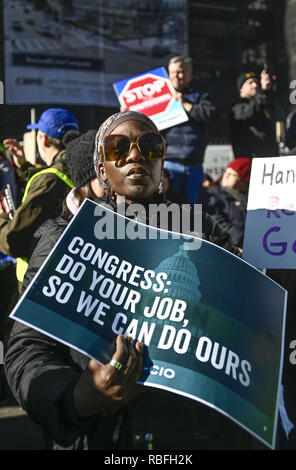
x=82, y=404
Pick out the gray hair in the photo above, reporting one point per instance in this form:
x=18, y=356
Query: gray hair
x=186, y=61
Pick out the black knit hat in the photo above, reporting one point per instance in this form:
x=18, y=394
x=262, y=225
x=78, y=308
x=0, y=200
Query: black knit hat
x=80, y=151
x=244, y=77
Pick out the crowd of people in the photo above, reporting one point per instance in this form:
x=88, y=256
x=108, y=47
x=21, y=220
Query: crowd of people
x=86, y=405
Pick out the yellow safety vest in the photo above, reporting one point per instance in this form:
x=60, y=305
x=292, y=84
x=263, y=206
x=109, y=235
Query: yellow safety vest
x=22, y=263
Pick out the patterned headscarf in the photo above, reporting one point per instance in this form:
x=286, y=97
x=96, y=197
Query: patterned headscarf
x=109, y=125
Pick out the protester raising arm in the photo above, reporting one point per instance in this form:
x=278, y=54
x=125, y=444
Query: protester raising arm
x=252, y=126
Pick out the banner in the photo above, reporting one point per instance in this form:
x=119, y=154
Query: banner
x=151, y=93
x=212, y=324
x=70, y=52
x=270, y=239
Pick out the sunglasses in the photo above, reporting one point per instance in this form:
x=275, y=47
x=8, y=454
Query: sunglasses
x=118, y=146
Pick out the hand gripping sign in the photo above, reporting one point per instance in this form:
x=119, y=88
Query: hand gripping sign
x=151, y=93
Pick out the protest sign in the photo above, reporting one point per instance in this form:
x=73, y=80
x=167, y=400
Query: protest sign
x=216, y=159
x=212, y=324
x=270, y=240
x=151, y=93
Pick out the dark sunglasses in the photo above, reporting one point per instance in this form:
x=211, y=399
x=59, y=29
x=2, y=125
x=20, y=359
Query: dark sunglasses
x=118, y=146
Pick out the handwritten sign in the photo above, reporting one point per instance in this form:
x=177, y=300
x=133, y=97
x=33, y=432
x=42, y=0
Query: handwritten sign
x=151, y=93
x=208, y=338
x=270, y=237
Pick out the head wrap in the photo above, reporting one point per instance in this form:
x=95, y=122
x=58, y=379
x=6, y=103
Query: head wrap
x=109, y=125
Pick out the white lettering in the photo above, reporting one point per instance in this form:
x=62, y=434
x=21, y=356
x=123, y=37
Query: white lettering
x=164, y=341
x=204, y=348
x=227, y=360
x=64, y=292
x=51, y=289
x=119, y=317
x=292, y=356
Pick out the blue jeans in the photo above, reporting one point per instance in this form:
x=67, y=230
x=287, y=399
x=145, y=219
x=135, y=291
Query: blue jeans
x=186, y=179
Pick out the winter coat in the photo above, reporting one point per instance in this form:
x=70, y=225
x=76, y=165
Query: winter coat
x=252, y=129
x=186, y=142
x=42, y=374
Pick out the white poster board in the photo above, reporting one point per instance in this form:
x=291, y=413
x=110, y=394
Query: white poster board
x=270, y=231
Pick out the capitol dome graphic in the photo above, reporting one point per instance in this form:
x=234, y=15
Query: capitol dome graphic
x=183, y=281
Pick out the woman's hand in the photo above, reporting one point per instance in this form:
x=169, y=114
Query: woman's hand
x=107, y=388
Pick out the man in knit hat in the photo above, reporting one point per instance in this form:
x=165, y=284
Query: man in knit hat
x=252, y=123
x=227, y=201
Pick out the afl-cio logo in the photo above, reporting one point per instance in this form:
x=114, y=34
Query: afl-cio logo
x=28, y=81
x=162, y=372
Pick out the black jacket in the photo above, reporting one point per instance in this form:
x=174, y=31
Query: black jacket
x=42, y=374
x=186, y=142
x=228, y=208
x=252, y=129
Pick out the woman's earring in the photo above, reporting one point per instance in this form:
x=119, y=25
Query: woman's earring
x=160, y=187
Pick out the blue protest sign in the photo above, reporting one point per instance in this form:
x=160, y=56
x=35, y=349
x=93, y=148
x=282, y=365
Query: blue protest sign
x=212, y=324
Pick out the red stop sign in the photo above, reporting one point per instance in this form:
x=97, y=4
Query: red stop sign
x=148, y=94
